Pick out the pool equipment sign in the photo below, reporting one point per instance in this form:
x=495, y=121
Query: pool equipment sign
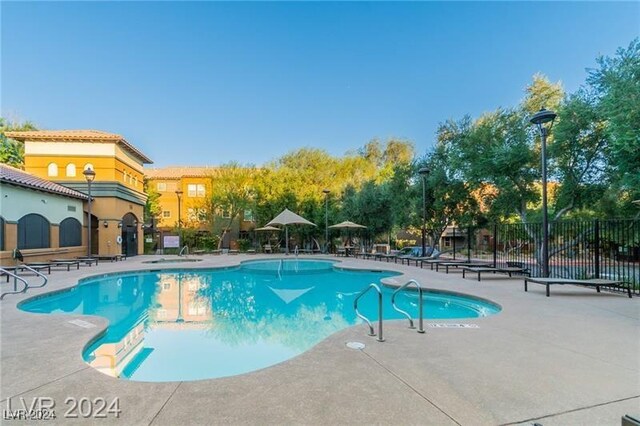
x=171, y=241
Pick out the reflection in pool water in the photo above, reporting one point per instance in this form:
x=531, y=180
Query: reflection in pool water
x=189, y=325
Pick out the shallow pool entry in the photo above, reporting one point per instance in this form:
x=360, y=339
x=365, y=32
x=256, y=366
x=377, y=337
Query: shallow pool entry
x=179, y=325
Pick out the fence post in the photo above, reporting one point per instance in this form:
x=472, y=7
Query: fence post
x=596, y=253
x=495, y=243
x=468, y=243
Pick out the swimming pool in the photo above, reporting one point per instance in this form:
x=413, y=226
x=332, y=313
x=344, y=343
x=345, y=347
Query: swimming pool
x=191, y=324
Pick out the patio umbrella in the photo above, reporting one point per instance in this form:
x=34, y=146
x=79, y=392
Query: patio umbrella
x=268, y=229
x=287, y=217
x=348, y=225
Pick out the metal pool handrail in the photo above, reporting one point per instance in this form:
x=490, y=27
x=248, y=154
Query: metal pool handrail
x=355, y=306
x=15, y=283
x=183, y=250
x=420, y=302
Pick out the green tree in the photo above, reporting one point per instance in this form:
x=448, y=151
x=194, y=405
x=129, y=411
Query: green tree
x=152, y=208
x=12, y=151
x=232, y=192
x=616, y=83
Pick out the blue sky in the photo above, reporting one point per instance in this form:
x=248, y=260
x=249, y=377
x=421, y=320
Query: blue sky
x=207, y=83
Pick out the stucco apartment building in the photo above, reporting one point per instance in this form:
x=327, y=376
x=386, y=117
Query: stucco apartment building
x=118, y=198
x=184, y=192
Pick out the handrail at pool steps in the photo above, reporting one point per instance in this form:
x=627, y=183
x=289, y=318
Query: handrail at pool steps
x=16, y=278
x=355, y=306
x=420, y=302
x=185, y=248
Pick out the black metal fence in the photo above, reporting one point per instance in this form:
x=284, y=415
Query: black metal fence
x=607, y=249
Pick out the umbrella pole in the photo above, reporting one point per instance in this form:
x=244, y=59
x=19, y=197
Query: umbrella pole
x=286, y=236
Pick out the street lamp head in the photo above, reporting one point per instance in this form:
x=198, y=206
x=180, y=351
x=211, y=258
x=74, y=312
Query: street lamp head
x=179, y=193
x=543, y=116
x=424, y=171
x=89, y=174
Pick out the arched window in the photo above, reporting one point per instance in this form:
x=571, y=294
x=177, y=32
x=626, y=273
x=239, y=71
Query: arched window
x=33, y=232
x=70, y=232
x=52, y=169
x=88, y=166
x=71, y=170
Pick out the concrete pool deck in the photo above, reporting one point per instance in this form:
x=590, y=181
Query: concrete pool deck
x=572, y=358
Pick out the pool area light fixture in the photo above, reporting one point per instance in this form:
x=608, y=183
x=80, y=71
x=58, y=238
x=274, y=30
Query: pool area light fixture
x=424, y=172
x=540, y=119
x=89, y=175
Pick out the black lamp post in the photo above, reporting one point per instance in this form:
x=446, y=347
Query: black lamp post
x=326, y=220
x=89, y=175
x=179, y=194
x=541, y=118
x=424, y=172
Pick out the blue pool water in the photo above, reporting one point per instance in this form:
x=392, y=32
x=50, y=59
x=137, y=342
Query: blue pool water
x=194, y=324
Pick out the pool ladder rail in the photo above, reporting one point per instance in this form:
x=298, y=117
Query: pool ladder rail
x=393, y=304
x=17, y=278
x=420, y=304
x=182, y=251
x=365, y=319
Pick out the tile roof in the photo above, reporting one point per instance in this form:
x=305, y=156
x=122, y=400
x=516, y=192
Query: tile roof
x=78, y=136
x=179, y=172
x=19, y=177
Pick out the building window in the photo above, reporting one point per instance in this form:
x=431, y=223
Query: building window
x=135, y=181
x=71, y=170
x=124, y=176
x=248, y=215
x=196, y=215
x=33, y=232
x=195, y=190
x=166, y=214
x=70, y=232
x=52, y=169
x=161, y=186
x=88, y=166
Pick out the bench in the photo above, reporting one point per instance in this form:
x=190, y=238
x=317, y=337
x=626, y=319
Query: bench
x=595, y=282
x=505, y=270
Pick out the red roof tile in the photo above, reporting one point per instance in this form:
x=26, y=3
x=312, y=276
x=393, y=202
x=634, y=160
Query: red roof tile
x=19, y=177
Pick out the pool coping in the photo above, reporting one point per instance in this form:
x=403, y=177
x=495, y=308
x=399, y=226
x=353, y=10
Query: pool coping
x=527, y=313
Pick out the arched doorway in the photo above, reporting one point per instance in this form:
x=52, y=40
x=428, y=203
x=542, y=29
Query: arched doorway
x=129, y=235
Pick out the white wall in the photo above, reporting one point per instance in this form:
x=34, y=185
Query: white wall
x=16, y=202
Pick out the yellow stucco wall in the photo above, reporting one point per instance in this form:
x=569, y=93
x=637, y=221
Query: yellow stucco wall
x=108, y=169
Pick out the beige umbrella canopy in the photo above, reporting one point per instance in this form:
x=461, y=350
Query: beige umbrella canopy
x=267, y=228
x=348, y=225
x=287, y=217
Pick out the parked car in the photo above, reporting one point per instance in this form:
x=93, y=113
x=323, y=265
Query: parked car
x=417, y=251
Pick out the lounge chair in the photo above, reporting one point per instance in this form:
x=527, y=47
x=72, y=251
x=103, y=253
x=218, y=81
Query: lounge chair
x=499, y=269
x=459, y=264
x=266, y=248
x=595, y=282
x=65, y=262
